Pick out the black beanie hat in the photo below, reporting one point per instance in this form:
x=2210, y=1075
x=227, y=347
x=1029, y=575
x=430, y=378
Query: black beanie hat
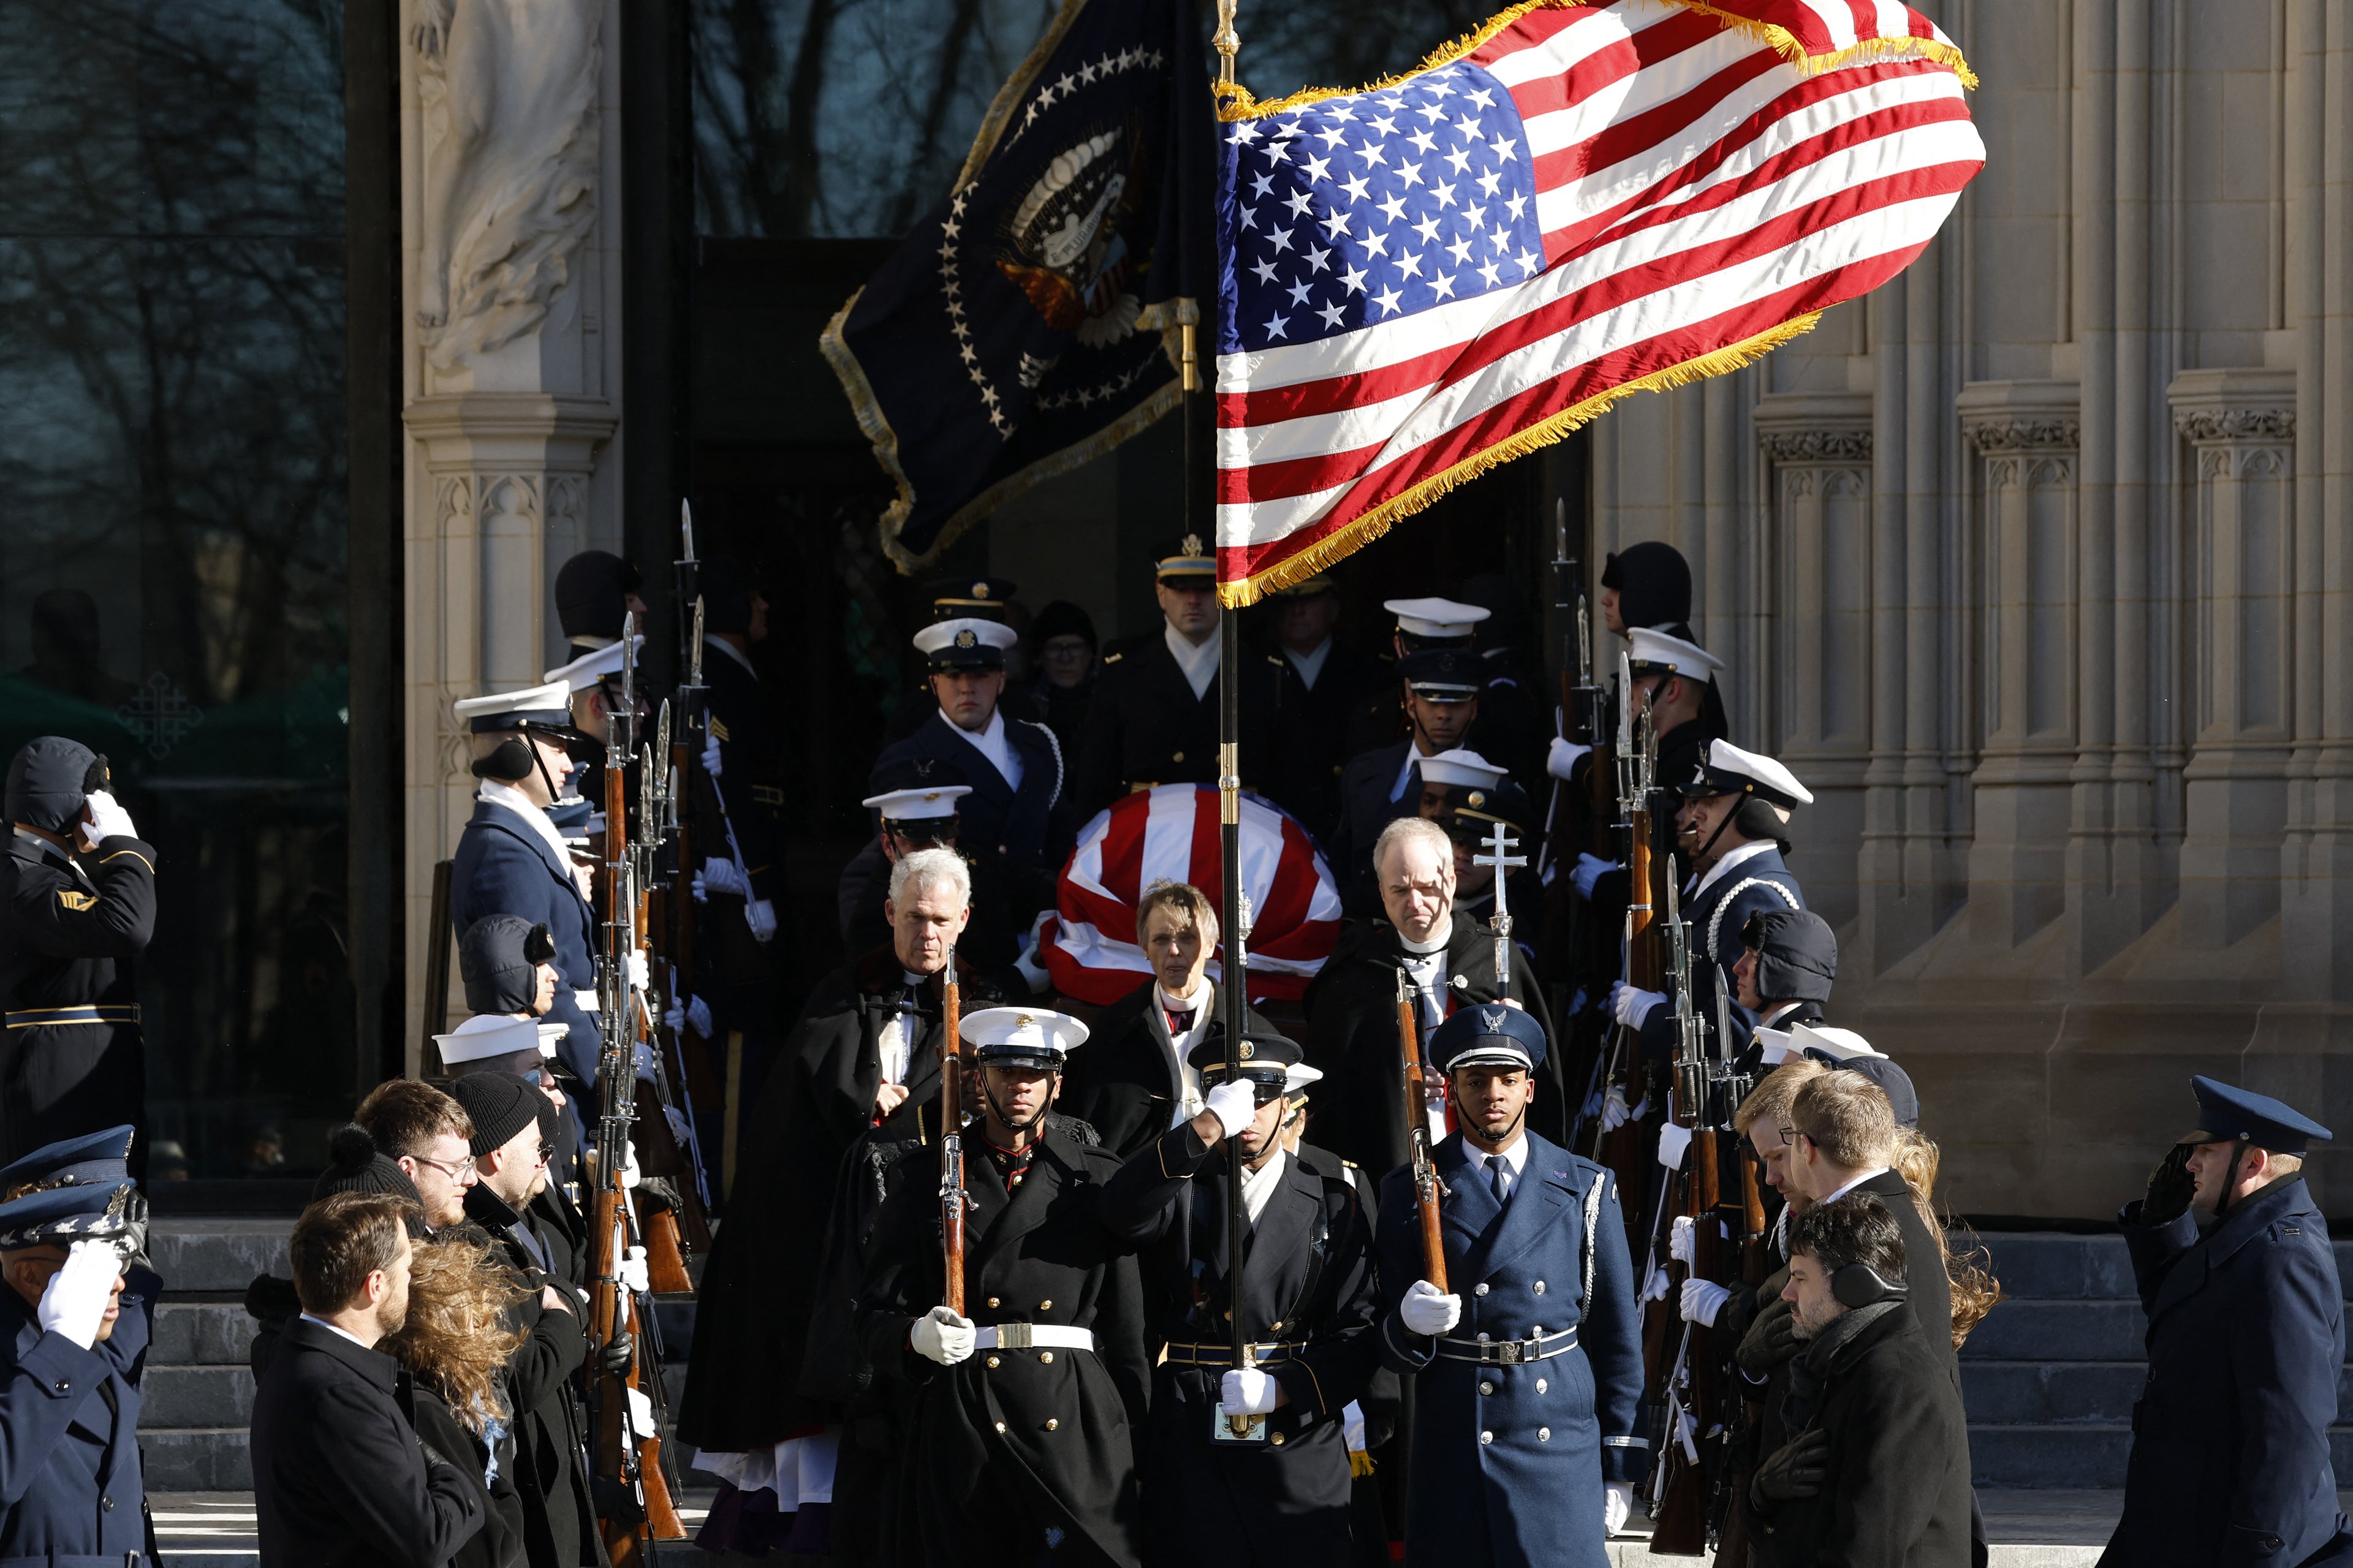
x=353, y=1166
x=499, y=959
x=1796, y=954
x=1653, y=583
x=1061, y=618
x=501, y=1104
x=49, y=779
x=590, y=594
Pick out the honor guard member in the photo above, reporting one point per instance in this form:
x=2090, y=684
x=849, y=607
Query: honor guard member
x=1015, y=825
x=2246, y=1340
x=1021, y=1416
x=76, y=1321
x=967, y=599
x=917, y=809
x=1647, y=585
x=1787, y=959
x=1321, y=689
x=81, y=906
x=1352, y=1003
x=595, y=591
x=1307, y=1302
x=1529, y=1366
x=593, y=680
x=1468, y=795
x=508, y=965
x=1442, y=708
x=1513, y=730
x=1062, y=672
x=1728, y=839
x=1155, y=719
x=512, y=860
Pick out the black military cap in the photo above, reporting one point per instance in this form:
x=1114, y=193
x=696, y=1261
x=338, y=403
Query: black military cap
x=727, y=586
x=1444, y=674
x=2227, y=1112
x=50, y=781
x=969, y=598
x=1186, y=561
x=591, y=594
x=498, y=958
x=1796, y=954
x=1653, y=583
x=1267, y=1059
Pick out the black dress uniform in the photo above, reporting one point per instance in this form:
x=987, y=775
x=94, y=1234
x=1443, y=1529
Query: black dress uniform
x=72, y=1487
x=1023, y=1452
x=1372, y=795
x=74, y=1059
x=1307, y=1304
x=1147, y=727
x=971, y=598
x=2246, y=1342
x=1128, y=1086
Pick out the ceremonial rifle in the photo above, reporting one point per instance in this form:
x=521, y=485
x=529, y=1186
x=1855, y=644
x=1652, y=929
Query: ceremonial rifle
x=664, y=1133
x=1745, y=1205
x=1679, y=1484
x=629, y=1446
x=1223, y=1427
x=1426, y=1188
x=954, y=1201
x=1624, y=1151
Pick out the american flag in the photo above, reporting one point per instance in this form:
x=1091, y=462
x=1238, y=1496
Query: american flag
x=1578, y=202
x=1170, y=834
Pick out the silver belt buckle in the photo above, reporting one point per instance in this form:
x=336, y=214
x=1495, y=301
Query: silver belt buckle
x=1510, y=1352
x=1013, y=1336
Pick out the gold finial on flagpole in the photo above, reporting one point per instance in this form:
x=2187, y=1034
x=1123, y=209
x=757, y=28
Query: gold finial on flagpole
x=1227, y=42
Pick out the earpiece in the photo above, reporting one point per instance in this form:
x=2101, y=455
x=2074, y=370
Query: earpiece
x=1860, y=1285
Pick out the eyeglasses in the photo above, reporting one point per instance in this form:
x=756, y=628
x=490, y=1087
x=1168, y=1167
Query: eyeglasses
x=456, y=1170
x=1790, y=1135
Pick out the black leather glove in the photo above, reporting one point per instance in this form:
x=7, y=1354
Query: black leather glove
x=2170, y=1187
x=612, y=1361
x=1739, y=1311
x=1792, y=1471
x=1770, y=1340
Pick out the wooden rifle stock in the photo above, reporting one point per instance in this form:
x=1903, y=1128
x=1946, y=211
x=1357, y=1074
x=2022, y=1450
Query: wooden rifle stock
x=952, y=1198
x=1416, y=1133
x=1756, y=1263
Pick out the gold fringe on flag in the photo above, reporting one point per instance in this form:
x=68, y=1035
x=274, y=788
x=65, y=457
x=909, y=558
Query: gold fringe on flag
x=1349, y=540
x=1787, y=44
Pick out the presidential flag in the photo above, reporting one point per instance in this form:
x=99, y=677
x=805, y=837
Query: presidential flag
x=1029, y=322
x=1576, y=202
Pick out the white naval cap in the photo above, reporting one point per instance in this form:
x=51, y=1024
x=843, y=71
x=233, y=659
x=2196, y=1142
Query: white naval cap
x=1842, y=1045
x=1033, y=1036
x=595, y=665
x=1460, y=767
x=1773, y=1047
x=549, y=706
x=1298, y=1075
x=917, y=804
x=965, y=642
x=1434, y=617
x=1727, y=769
x=1654, y=649
x=491, y=1035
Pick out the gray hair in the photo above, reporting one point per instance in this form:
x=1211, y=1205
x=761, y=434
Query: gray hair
x=918, y=873
x=1405, y=828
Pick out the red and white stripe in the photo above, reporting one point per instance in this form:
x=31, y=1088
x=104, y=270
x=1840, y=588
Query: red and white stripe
x=1694, y=190
x=1170, y=833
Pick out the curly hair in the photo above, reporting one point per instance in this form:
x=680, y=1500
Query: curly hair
x=1976, y=1291
x=459, y=1336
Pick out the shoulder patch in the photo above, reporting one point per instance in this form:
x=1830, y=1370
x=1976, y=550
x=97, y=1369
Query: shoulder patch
x=77, y=902
x=718, y=729
x=1114, y=658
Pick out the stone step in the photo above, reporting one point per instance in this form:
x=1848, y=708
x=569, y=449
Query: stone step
x=194, y=1397
x=2058, y=1266
x=201, y=1333
x=217, y=1254
x=196, y=1460
x=2058, y=1330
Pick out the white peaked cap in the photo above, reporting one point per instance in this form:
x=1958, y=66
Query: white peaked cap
x=1031, y=1029
x=595, y=665
x=1775, y=783
x=1434, y=617
x=1298, y=1075
x=1773, y=1047
x=1842, y=1044
x=548, y=704
x=491, y=1035
x=917, y=804
x=1654, y=649
x=1460, y=767
x=941, y=635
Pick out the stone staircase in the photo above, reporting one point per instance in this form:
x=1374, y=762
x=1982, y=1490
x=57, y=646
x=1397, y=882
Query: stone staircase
x=197, y=1392
x=2050, y=1375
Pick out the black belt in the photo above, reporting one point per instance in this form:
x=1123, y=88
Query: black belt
x=1190, y=1352
x=1508, y=1352
x=41, y=1017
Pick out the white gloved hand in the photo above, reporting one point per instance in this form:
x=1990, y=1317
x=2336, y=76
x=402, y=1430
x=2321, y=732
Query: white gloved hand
x=719, y=876
x=641, y=974
x=1590, y=869
x=674, y=1018
x=1679, y=1240
x=697, y=1016
x=641, y=1414
x=75, y=1302
x=701, y=891
x=1702, y=1301
x=1235, y=1105
x=761, y=916
x=1617, y=1502
x=1614, y=1113
x=1427, y=1309
x=1673, y=1141
x=629, y=1172
x=1561, y=760
x=943, y=1336
x=1654, y=1283
x=1630, y=1005
x=711, y=755
x=636, y=1279
x=1246, y=1390
x=105, y=818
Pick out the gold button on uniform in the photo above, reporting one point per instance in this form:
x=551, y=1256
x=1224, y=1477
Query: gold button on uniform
x=1176, y=756
x=1276, y=1440
x=1045, y=1358
x=992, y=1301
x=1000, y=1426
x=1052, y=1425
x=1045, y=1306
x=994, y=1361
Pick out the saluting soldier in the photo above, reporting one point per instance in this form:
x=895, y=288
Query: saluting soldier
x=1155, y=719
x=76, y=1321
x=1736, y=805
x=1441, y=707
x=1307, y=1303
x=1016, y=823
x=512, y=860
x=2246, y=1340
x=1320, y=689
x=1528, y=1366
x=1022, y=1415
x=79, y=898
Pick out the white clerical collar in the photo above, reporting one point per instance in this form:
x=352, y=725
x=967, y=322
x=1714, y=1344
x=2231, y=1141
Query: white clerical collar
x=915, y=981
x=1192, y=1002
x=1515, y=1159
x=1859, y=1180
x=523, y=805
x=1436, y=944
x=1197, y=660
x=1732, y=857
x=990, y=742
x=713, y=641
x=1310, y=665
x=314, y=1318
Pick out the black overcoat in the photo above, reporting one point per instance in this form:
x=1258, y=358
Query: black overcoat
x=1307, y=1285
x=1145, y=726
x=1019, y=838
x=1313, y=729
x=1124, y=1084
x=1012, y=1450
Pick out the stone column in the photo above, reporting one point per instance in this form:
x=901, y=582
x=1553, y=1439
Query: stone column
x=2023, y=527
x=511, y=281
x=1815, y=676
x=2241, y=428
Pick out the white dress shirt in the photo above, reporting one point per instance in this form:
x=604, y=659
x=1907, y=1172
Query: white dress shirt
x=1183, y=1080
x=311, y=1318
x=1197, y=660
x=1515, y=1159
x=1310, y=665
x=1867, y=1175
x=1413, y=755
x=1260, y=1185
x=891, y=1041
x=991, y=742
